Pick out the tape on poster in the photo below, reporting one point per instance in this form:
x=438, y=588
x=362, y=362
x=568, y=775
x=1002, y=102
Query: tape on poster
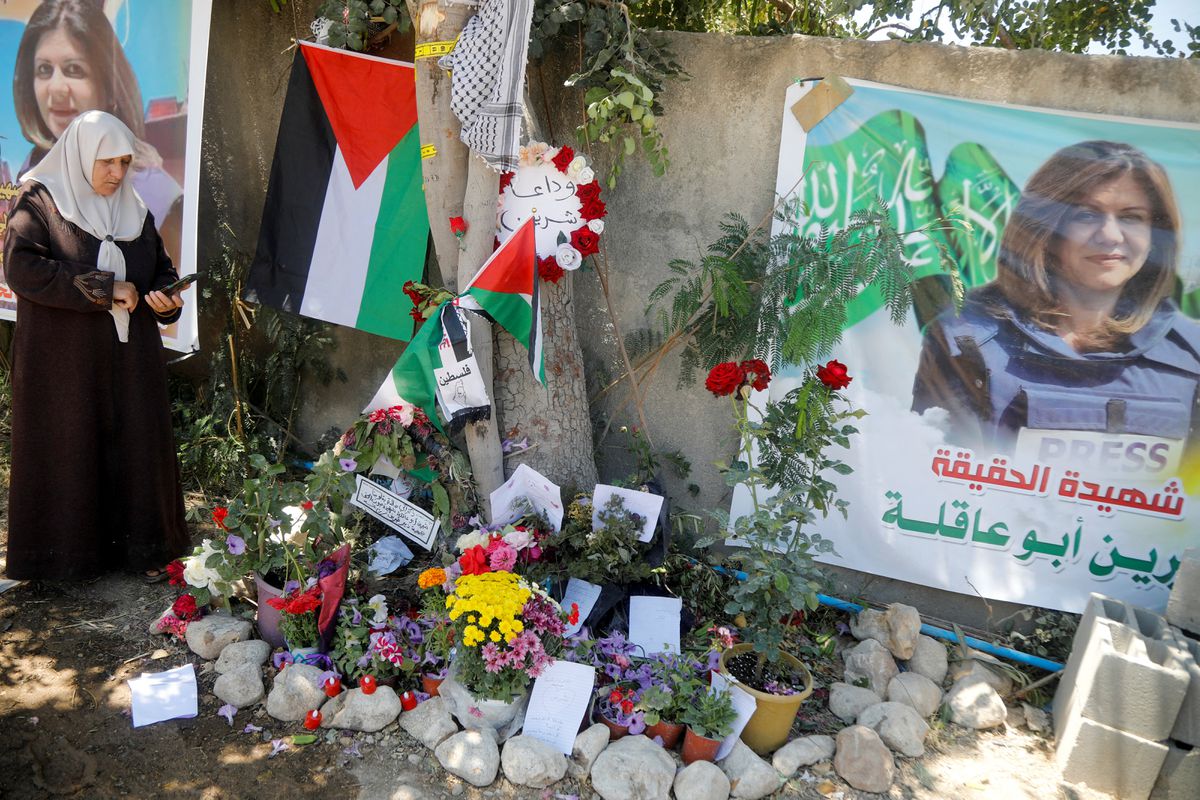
x=823, y=98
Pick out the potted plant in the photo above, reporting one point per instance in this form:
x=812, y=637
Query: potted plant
x=709, y=717
x=672, y=682
x=616, y=708
x=783, y=461
x=432, y=648
x=298, y=610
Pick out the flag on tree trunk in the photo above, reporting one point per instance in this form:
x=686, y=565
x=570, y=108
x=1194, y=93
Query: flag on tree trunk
x=505, y=290
x=344, y=223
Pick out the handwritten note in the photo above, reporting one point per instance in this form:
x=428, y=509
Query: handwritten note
x=164, y=695
x=411, y=522
x=558, y=702
x=643, y=503
x=585, y=594
x=528, y=484
x=744, y=705
x=654, y=623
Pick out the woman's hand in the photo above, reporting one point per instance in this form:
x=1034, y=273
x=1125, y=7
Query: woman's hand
x=125, y=295
x=163, y=304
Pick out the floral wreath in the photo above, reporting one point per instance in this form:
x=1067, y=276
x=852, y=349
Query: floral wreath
x=584, y=238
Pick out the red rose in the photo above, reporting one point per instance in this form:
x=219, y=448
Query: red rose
x=458, y=226
x=218, y=516
x=549, y=270
x=834, y=375
x=574, y=616
x=474, y=561
x=585, y=241
x=505, y=180
x=564, y=158
x=724, y=378
x=175, y=573
x=308, y=504
x=757, y=371
x=184, y=607
x=593, y=209
x=588, y=191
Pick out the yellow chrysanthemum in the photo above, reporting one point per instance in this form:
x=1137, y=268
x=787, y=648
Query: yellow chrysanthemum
x=494, y=636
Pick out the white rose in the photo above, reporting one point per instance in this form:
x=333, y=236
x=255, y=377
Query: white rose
x=577, y=165
x=567, y=257
x=196, y=574
x=596, y=226
x=586, y=176
x=469, y=540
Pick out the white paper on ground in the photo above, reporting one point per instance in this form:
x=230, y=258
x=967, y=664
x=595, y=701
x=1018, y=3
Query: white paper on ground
x=558, y=702
x=585, y=594
x=743, y=703
x=644, y=503
x=654, y=623
x=528, y=483
x=163, y=695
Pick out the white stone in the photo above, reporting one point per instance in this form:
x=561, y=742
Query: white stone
x=242, y=687
x=869, y=624
x=929, y=659
x=633, y=768
x=701, y=780
x=871, y=661
x=429, y=723
x=802, y=752
x=354, y=711
x=899, y=726
x=863, y=760
x=471, y=755
x=978, y=666
x=897, y=628
x=1036, y=720
x=917, y=691
x=295, y=693
x=847, y=702
x=251, y=651
x=527, y=761
x=208, y=636
x=750, y=778
x=975, y=704
x=588, y=745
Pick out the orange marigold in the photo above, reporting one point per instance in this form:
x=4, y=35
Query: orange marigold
x=434, y=576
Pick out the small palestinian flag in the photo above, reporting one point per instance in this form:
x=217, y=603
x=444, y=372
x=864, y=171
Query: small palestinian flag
x=344, y=224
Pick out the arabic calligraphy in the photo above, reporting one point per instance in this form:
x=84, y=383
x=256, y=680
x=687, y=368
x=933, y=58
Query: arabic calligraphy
x=408, y=520
x=1167, y=503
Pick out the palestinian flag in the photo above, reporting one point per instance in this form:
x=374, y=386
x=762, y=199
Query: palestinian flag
x=505, y=290
x=344, y=225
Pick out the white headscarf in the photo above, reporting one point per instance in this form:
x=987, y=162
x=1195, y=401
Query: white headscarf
x=66, y=171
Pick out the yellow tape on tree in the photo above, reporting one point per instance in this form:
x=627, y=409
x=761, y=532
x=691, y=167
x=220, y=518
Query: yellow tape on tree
x=428, y=151
x=434, y=49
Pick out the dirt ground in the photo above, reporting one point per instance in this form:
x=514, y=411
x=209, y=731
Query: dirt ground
x=67, y=650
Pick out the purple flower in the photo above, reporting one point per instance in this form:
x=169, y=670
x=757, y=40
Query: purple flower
x=714, y=660
x=636, y=723
x=352, y=750
x=356, y=617
x=236, y=544
x=251, y=728
x=290, y=587
x=279, y=660
x=348, y=464
x=228, y=711
x=326, y=567
x=274, y=523
x=326, y=675
x=277, y=747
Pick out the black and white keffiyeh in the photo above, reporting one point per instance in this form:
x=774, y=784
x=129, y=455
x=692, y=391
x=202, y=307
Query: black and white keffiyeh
x=487, y=79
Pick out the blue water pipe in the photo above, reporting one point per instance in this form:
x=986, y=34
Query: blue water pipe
x=930, y=630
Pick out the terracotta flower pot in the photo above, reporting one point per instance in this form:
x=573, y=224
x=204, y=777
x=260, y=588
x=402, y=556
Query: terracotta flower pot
x=430, y=684
x=669, y=731
x=768, y=729
x=615, y=731
x=699, y=748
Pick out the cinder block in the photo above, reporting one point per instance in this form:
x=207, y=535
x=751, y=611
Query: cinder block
x=1180, y=775
x=1187, y=724
x=1124, y=621
x=1183, y=606
x=1128, y=683
x=1109, y=760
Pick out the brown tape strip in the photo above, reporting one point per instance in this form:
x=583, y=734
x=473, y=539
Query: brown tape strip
x=823, y=98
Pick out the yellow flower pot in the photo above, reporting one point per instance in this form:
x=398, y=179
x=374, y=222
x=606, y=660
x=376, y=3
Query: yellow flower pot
x=768, y=729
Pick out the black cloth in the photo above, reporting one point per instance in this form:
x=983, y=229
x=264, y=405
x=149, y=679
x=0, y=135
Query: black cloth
x=95, y=482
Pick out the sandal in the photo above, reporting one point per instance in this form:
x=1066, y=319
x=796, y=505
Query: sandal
x=154, y=576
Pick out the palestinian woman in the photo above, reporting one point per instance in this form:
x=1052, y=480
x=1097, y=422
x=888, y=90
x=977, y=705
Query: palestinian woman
x=94, y=483
x=1075, y=352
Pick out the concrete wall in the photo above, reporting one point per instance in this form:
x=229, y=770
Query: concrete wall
x=722, y=127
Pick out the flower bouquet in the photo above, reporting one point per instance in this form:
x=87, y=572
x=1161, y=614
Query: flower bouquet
x=609, y=554
x=370, y=641
x=298, y=617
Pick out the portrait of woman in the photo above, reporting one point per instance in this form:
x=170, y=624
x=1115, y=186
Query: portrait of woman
x=94, y=484
x=70, y=61
x=1078, y=333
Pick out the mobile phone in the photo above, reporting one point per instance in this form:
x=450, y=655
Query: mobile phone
x=181, y=284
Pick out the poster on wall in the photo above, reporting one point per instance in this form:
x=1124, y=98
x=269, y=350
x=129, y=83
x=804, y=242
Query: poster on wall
x=142, y=60
x=1043, y=442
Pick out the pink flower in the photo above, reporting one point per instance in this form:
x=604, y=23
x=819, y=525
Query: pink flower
x=502, y=558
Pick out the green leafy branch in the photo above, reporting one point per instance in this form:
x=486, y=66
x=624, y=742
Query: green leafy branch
x=357, y=24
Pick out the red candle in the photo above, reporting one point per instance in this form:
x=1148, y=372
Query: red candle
x=408, y=701
x=333, y=686
x=367, y=684
x=312, y=720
